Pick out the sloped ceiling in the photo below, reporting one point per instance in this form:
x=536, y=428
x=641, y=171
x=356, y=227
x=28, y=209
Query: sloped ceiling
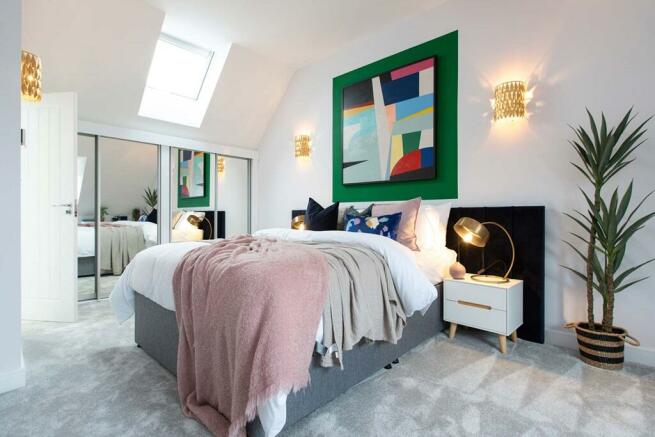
x=102, y=50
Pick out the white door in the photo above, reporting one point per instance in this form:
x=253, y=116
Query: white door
x=48, y=208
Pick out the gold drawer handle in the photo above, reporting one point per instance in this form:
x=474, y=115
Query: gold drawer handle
x=473, y=304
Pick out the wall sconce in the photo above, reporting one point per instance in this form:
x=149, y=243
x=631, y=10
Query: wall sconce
x=509, y=100
x=220, y=164
x=303, y=146
x=30, y=77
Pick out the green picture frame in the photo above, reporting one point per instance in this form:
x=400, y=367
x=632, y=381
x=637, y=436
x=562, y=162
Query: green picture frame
x=444, y=186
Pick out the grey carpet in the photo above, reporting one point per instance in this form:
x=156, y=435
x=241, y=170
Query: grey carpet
x=89, y=379
x=86, y=287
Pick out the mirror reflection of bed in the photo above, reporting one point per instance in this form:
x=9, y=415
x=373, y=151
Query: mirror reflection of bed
x=118, y=185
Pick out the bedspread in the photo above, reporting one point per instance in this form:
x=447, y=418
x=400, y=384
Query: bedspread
x=362, y=300
x=247, y=309
x=119, y=245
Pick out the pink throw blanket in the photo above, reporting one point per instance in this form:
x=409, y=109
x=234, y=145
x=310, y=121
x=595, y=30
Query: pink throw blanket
x=247, y=311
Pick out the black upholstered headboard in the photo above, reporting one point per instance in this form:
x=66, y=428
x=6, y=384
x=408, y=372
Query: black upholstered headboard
x=527, y=228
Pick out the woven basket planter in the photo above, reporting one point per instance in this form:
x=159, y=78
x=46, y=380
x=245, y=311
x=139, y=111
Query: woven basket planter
x=602, y=349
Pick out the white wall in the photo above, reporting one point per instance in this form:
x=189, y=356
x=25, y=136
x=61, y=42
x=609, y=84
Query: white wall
x=126, y=169
x=12, y=371
x=594, y=53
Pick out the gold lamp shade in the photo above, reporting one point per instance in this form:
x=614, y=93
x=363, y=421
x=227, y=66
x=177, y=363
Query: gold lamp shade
x=298, y=222
x=30, y=77
x=220, y=164
x=472, y=231
x=303, y=145
x=509, y=100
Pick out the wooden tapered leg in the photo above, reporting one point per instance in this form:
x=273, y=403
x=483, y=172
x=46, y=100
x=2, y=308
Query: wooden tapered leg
x=503, y=344
x=452, y=330
x=514, y=336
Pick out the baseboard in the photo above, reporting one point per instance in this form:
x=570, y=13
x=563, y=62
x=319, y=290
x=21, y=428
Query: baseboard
x=566, y=338
x=12, y=380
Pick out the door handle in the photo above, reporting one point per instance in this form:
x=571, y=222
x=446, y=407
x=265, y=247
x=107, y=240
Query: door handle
x=65, y=205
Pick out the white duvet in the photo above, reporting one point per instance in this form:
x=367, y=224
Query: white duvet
x=151, y=274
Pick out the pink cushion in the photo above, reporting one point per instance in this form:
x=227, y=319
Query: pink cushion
x=409, y=210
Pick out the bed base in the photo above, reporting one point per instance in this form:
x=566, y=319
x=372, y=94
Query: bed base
x=156, y=333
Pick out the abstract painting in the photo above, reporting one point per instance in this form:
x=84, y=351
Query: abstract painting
x=191, y=169
x=388, y=126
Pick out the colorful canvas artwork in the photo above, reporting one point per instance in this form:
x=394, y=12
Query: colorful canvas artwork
x=191, y=170
x=388, y=126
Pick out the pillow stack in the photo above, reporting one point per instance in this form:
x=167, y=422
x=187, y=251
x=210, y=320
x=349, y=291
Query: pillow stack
x=402, y=221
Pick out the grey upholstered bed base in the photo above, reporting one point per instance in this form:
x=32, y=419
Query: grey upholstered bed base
x=156, y=333
x=86, y=266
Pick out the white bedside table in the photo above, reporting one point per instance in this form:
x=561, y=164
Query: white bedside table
x=495, y=308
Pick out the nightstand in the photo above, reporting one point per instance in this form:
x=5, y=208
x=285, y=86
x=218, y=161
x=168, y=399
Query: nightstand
x=495, y=308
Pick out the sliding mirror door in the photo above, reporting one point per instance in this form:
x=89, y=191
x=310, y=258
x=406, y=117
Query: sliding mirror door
x=86, y=218
x=192, y=200
x=210, y=195
x=128, y=203
x=233, y=195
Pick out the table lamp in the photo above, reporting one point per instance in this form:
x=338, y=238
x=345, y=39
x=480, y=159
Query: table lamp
x=473, y=232
x=196, y=221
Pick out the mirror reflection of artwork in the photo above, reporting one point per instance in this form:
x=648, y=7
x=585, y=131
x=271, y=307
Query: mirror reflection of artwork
x=191, y=170
x=388, y=126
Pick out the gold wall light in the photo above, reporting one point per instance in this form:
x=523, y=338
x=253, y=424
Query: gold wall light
x=220, y=164
x=303, y=146
x=30, y=77
x=509, y=100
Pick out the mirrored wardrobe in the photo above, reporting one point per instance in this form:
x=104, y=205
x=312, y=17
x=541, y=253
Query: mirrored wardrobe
x=118, y=195
x=210, y=195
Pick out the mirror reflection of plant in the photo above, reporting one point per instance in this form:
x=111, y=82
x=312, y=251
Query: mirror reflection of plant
x=103, y=213
x=151, y=198
x=603, y=154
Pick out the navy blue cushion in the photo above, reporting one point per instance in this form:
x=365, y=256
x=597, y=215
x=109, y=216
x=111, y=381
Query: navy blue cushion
x=318, y=218
x=385, y=225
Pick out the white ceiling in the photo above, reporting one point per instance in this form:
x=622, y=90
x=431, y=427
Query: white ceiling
x=102, y=50
x=296, y=32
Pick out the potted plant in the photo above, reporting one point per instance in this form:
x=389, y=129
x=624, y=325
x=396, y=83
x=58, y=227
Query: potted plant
x=103, y=213
x=151, y=198
x=607, y=229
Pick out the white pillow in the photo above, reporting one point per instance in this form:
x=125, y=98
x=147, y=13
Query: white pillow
x=183, y=224
x=431, y=226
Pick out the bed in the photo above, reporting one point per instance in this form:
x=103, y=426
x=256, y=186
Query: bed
x=124, y=238
x=145, y=290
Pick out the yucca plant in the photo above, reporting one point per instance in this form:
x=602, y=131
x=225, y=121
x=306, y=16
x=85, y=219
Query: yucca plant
x=614, y=228
x=603, y=153
x=151, y=198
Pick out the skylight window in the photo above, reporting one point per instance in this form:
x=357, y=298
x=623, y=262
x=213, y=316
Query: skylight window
x=181, y=81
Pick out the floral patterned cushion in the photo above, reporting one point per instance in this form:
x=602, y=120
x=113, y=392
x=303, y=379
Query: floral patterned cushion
x=385, y=225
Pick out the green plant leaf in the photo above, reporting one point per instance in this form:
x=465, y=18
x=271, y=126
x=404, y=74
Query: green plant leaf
x=629, y=284
x=627, y=272
x=576, y=250
x=625, y=202
x=575, y=219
